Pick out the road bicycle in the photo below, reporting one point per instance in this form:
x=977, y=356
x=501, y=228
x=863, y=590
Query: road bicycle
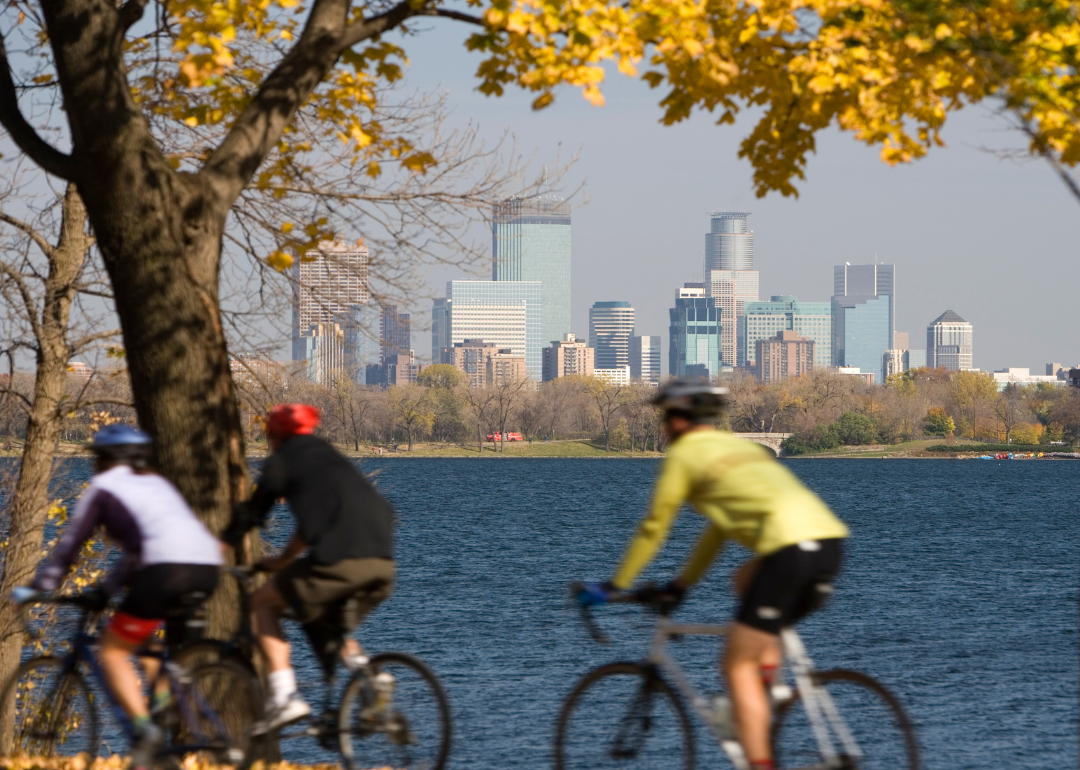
x=54, y=710
x=634, y=714
x=392, y=711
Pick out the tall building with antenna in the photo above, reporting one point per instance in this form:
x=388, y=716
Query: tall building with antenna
x=730, y=278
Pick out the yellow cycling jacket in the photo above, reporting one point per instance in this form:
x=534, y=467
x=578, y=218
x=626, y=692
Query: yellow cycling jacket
x=741, y=489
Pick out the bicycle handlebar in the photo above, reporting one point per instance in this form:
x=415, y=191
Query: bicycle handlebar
x=649, y=595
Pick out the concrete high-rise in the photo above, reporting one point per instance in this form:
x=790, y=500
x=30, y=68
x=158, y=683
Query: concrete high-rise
x=762, y=321
x=568, y=356
x=783, y=357
x=330, y=291
x=508, y=314
x=730, y=277
x=863, y=316
x=328, y=281
x=611, y=324
x=530, y=241
x=949, y=342
x=645, y=359
x=694, y=334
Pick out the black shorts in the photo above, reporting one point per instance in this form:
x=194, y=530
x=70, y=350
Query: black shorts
x=157, y=590
x=786, y=587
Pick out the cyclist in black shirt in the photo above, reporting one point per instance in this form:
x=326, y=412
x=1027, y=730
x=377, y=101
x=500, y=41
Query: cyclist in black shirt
x=345, y=526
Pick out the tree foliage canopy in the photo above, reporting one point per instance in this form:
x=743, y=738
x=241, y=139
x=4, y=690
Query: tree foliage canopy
x=887, y=70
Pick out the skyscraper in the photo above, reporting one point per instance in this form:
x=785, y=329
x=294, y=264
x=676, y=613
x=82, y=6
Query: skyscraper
x=395, y=337
x=867, y=281
x=328, y=280
x=611, y=324
x=645, y=359
x=330, y=290
x=530, y=241
x=694, y=334
x=863, y=316
x=730, y=278
x=762, y=320
x=508, y=314
x=949, y=342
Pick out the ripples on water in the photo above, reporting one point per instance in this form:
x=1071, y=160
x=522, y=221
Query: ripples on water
x=959, y=593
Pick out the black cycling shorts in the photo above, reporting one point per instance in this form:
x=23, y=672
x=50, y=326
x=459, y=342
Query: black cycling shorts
x=156, y=590
x=785, y=588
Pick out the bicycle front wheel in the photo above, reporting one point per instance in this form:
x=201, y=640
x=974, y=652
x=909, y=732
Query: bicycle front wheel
x=52, y=710
x=215, y=712
x=623, y=715
x=407, y=727
x=880, y=730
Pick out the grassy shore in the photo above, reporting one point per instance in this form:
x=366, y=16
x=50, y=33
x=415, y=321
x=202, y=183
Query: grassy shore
x=590, y=449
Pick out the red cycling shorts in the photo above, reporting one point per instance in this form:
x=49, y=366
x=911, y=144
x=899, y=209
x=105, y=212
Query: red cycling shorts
x=132, y=629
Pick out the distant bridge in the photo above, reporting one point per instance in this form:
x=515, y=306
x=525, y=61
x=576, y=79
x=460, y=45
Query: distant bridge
x=771, y=440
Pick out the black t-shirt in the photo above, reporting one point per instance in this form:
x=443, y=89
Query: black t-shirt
x=338, y=512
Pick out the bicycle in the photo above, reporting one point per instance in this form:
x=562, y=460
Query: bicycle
x=54, y=711
x=392, y=712
x=651, y=725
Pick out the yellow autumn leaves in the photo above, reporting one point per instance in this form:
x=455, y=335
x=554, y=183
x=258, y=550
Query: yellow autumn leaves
x=119, y=762
x=889, y=71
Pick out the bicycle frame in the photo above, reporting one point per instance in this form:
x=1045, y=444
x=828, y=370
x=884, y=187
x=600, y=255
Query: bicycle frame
x=83, y=651
x=821, y=711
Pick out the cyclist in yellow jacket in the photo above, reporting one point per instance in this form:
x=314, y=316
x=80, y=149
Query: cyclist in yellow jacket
x=747, y=496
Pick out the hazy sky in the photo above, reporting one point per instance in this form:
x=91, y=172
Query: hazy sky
x=995, y=241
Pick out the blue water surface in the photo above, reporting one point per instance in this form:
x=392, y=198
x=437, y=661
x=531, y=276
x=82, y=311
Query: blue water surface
x=959, y=592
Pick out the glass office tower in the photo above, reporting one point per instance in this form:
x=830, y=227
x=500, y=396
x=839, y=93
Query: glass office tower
x=762, y=320
x=861, y=333
x=507, y=313
x=611, y=325
x=694, y=348
x=730, y=277
x=530, y=241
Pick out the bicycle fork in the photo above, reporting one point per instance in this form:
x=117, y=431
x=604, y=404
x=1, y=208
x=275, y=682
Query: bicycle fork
x=821, y=711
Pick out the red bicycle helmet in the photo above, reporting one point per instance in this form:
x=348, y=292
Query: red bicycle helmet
x=287, y=420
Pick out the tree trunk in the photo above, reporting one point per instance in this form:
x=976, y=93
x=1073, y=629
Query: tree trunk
x=30, y=502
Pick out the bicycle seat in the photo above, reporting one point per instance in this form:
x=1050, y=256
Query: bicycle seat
x=186, y=603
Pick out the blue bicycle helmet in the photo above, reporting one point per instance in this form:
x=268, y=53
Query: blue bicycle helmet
x=122, y=443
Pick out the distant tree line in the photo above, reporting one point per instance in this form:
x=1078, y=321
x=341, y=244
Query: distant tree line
x=822, y=410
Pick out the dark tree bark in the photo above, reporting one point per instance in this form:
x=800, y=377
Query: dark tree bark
x=30, y=501
x=160, y=231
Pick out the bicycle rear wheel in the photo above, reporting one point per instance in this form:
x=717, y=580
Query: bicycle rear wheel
x=214, y=714
x=874, y=717
x=623, y=715
x=53, y=711
x=410, y=732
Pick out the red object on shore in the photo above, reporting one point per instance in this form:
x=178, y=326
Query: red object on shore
x=509, y=437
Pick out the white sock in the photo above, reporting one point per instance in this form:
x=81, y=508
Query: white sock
x=282, y=686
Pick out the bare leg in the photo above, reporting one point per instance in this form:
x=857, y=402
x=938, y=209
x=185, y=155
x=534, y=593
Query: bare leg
x=267, y=604
x=121, y=675
x=748, y=649
x=151, y=668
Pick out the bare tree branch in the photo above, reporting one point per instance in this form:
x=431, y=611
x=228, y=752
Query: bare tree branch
x=23, y=134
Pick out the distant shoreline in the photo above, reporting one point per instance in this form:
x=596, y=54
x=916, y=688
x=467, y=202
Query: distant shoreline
x=584, y=450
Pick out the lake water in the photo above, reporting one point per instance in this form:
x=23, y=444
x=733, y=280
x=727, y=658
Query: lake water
x=960, y=593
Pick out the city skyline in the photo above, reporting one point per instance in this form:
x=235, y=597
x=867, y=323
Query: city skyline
x=956, y=219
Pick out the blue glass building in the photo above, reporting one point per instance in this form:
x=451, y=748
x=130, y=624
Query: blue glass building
x=762, y=320
x=694, y=334
x=507, y=313
x=862, y=332
x=530, y=241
